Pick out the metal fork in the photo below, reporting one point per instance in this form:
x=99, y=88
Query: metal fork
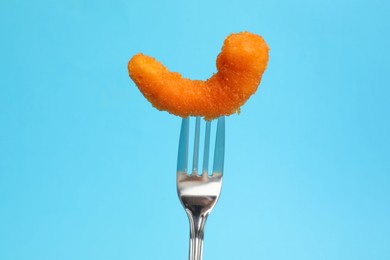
x=198, y=193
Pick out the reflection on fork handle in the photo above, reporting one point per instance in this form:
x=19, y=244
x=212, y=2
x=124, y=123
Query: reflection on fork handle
x=197, y=223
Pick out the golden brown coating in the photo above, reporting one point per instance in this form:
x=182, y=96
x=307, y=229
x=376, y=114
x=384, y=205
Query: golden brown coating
x=240, y=65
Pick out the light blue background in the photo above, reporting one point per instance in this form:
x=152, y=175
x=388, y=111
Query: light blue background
x=87, y=166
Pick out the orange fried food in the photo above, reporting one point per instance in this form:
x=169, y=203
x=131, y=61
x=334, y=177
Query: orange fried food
x=240, y=65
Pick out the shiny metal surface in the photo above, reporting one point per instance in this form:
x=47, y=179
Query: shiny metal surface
x=199, y=193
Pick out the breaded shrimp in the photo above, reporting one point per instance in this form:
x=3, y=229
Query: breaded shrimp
x=240, y=66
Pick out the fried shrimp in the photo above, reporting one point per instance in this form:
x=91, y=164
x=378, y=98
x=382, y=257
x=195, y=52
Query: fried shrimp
x=240, y=66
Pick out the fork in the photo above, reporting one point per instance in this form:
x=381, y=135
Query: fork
x=198, y=193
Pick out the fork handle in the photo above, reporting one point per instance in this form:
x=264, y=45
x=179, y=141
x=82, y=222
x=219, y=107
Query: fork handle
x=197, y=223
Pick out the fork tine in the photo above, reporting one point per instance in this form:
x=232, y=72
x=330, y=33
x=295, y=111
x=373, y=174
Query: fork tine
x=219, y=150
x=182, y=157
x=196, y=146
x=206, y=149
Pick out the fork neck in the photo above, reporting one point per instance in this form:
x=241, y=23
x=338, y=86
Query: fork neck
x=197, y=223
